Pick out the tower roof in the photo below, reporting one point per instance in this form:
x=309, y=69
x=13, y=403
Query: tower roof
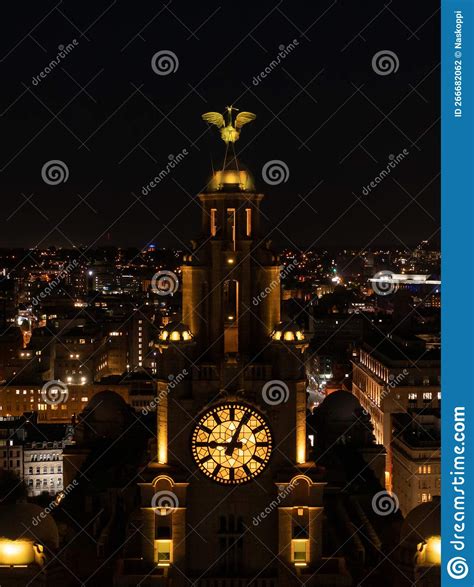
x=233, y=177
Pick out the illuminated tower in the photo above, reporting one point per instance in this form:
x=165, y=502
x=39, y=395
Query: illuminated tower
x=230, y=494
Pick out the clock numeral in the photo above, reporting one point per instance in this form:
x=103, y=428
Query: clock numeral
x=205, y=459
x=216, y=470
x=258, y=428
x=258, y=459
x=231, y=474
x=261, y=444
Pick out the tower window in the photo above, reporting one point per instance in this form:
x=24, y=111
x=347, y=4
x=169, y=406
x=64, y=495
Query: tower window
x=231, y=532
x=163, y=552
x=248, y=220
x=213, y=221
x=231, y=225
x=300, y=551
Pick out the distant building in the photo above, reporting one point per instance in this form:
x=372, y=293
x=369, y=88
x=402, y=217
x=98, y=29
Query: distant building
x=11, y=456
x=337, y=331
x=392, y=375
x=416, y=458
x=138, y=389
x=43, y=467
x=34, y=452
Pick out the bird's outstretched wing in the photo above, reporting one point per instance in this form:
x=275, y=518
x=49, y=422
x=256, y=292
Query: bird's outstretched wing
x=214, y=118
x=243, y=118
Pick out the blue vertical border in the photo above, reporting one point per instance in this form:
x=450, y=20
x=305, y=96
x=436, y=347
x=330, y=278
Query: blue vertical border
x=457, y=193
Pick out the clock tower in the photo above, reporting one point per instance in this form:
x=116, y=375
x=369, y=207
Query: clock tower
x=230, y=494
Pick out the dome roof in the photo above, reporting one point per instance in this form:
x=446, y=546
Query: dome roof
x=341, y=405
x=175, y=332
x=288, y=332
x=17, y=521
x=230, y=180
x=106, y=405
x=107, y=415
x=234, y=177
x=422, y=522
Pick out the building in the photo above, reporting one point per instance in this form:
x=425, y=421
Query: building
x=416, y=458
x=137, y=389
x=43, y=466
x=11, y=455
x=231, y=495
x=34, y=452
x=392, y=375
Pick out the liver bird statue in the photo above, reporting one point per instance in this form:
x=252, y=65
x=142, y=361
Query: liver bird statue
x=230, y=132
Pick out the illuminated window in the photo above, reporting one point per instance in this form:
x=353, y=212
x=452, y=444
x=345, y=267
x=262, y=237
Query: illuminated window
x=300, y=551
x=248, y=220
x=163, y=552
x=427, y=396
x=213, y=221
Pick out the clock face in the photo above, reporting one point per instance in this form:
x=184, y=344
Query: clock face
x=232, y=443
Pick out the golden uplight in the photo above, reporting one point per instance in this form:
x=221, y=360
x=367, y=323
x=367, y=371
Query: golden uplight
x=16, y=552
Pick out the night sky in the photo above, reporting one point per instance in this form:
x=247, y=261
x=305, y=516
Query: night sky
x=323, y=111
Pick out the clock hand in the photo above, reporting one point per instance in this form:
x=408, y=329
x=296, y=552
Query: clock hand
x=214, y=444
x=232, y=445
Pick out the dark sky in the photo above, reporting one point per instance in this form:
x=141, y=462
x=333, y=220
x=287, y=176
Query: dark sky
x=323, y=111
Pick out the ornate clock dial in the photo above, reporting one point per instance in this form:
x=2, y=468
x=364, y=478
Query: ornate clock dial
x=232, y=443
